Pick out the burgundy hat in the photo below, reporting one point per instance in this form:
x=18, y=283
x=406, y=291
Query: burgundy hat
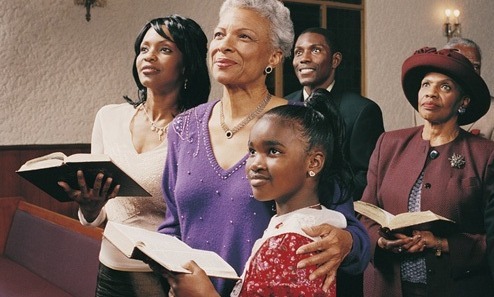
x=454, y=65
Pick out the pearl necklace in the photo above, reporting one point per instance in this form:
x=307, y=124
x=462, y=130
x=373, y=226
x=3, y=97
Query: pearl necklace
x=229, y=132
x=159, y=130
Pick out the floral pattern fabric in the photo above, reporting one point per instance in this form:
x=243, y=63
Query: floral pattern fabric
x=273, y=270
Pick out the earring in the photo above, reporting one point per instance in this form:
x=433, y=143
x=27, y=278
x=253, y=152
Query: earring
x=142, y=94
x=462, y=110
x=268, y=69
x=312, y=173
x=185, y=84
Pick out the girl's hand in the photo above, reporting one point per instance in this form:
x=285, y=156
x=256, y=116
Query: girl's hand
x=90, y=200
x=194, y=284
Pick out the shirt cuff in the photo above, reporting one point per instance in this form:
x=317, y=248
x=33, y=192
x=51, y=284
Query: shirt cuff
x=97, y=222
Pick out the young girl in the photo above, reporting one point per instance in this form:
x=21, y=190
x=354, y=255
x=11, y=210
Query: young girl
x=295, y=159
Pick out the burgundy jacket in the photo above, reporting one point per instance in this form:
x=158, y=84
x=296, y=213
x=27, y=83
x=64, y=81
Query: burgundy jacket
x=459, y=194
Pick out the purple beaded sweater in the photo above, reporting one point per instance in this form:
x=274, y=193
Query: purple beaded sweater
x=213, y=209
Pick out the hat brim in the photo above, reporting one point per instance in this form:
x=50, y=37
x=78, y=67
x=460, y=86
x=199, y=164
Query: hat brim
x=460, y=70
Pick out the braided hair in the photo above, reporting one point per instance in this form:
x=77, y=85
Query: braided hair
x=320, y=125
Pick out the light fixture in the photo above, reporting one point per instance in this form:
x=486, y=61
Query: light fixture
x=88, y=4
x=452, y=28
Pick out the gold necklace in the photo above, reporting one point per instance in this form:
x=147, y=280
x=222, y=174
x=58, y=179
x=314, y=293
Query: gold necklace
x=229, y=132
x=315, y=206
x=159, y=130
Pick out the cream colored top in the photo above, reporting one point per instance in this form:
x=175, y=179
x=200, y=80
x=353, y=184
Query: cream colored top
x=112, y=136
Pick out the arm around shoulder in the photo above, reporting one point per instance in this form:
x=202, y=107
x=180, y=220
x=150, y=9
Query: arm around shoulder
x=358, y=258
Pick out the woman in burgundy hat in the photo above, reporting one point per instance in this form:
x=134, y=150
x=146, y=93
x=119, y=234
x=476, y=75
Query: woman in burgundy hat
x=437, y=167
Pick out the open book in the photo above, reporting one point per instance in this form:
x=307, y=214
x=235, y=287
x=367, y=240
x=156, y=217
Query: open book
x=421, y=220
x=167, y=251
x=46, y=171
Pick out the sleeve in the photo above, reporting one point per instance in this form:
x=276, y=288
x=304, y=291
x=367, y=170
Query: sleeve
x=468, y=251
x=366, y=130
x=96, y=148
x=358, y=258
x=100, y=219
x=171, y=224
x=370, y=196
x=273, y=271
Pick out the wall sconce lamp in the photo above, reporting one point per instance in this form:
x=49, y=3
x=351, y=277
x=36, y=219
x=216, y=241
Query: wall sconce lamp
x=452, y=29
x=88, y=4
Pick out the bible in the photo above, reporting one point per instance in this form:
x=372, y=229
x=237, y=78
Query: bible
x=46, y=171
x=165, y=250
x=405, y=222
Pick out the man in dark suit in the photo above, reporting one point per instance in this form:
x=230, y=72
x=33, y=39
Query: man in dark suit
x=316, y=58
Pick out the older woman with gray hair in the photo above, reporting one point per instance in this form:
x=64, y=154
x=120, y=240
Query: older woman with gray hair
x=209, y=199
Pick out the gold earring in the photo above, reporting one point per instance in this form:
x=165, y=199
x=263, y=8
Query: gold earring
x=312, y=173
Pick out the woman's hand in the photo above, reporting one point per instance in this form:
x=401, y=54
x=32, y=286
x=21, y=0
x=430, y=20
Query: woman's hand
x=334, y=246
x=91, y=200
x=399, y=244
x=418, y=242
x=194, y=284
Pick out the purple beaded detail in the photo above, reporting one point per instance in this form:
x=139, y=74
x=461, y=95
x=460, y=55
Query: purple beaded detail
x=179, y=122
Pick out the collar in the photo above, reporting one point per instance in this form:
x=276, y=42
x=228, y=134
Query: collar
x=329, y=88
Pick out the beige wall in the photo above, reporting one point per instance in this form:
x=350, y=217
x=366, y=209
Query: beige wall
x=57, y=69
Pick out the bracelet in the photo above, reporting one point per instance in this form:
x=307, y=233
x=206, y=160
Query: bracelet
x=381, y=244
x=379, y=241
x=439, y=247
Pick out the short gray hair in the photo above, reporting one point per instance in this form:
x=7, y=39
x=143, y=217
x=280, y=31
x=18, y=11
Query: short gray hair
x=278, y=15
x=455, y=41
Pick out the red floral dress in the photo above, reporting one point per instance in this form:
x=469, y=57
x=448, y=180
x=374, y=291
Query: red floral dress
x=272, y=268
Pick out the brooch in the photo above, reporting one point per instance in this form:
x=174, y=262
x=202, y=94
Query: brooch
x=457, y=161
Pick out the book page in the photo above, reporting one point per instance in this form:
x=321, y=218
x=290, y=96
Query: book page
x=126, y=238
x=408, y=219
x=373, y=212
x=51, y=160
x=173, y=260
x=82, y=157
x=168, y=251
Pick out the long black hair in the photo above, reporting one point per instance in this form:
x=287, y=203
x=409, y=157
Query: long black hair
x=192, y=42
x=321, y=126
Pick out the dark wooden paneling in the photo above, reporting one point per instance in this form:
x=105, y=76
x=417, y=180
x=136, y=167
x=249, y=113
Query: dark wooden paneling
x=8, y=205
x=9, y=181
x=11, y=184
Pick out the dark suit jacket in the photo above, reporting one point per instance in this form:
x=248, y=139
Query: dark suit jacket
x=364, y=123
x=459, y=194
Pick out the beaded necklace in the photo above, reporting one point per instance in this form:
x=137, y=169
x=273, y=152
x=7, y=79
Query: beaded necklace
x=159, y=130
